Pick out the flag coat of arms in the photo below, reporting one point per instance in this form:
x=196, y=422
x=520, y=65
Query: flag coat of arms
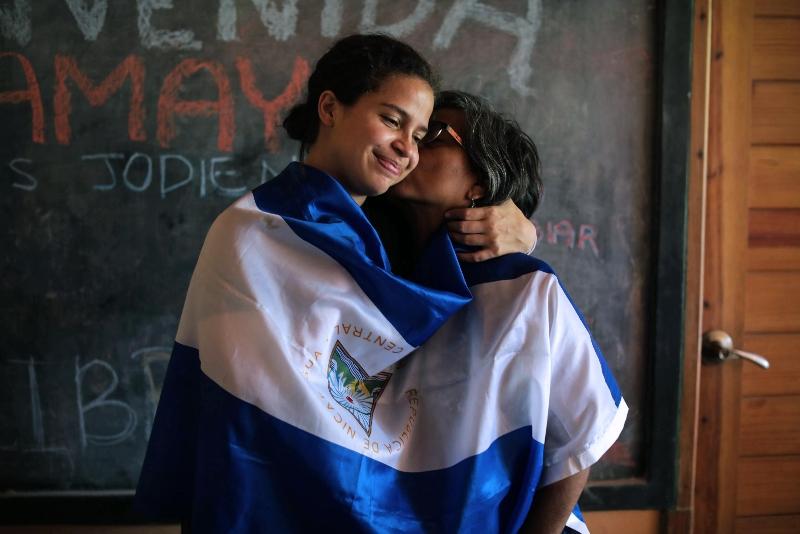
x=295, y=400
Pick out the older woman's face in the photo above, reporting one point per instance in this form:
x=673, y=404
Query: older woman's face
x=444, y=177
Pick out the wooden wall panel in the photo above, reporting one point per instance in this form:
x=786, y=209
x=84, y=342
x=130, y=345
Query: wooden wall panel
x=772, y=524
x=774, y=177
x=776, y=113
x=627, y=521
x=768, y=485
x=777, y=227
x=776, y=7
x=783, y=376
x=770, y=426
x=772, y=302
x=768, y=467
x=773, y=259
x=776, y=49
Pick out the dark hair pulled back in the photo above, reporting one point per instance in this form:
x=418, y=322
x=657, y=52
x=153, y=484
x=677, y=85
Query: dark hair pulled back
x=354, y=65
x=503, y=155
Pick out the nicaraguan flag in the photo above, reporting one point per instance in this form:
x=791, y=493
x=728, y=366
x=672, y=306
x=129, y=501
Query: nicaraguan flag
x=288, y=276
x=529, y=393
x=292, y=402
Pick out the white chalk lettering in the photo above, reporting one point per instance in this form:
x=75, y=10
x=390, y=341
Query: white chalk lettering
x=214, y=173
x=111, y=172
x=101, y=401
x=280, y=23
x=226, y=21
x=267, y=172
x=175, y=171
x=331, y=18
x=399, y=29
x=150, y=358
x=39, y=445
x=90, y=21
x=148, y=176
x=15, y=23
x=165, y=39
x=37, y=424
x=202, y=178
x=31, y=180
x=524, y=29
x=162, y=161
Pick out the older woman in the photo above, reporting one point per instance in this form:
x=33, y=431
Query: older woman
x=514, y=399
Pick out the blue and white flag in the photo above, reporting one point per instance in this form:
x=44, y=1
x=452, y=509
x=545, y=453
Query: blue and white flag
x=287, y=277
x=293, y=401
x=530, y=381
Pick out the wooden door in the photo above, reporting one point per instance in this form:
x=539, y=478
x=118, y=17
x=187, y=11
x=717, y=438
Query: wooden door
x=748, y=448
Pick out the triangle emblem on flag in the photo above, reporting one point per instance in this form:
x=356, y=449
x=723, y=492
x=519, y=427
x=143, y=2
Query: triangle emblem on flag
x=352, y=388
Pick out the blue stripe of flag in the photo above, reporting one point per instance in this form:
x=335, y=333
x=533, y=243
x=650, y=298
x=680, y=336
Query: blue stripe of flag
x=319, y=210
x=256, y=473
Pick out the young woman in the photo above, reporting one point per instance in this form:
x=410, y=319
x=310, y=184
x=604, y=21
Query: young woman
x=253, y=432
x=518, y=400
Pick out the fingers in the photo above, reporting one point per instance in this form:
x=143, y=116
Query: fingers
x=499, y=229
x=468, y=214
x=477, y=256
x=468, y=227
x=473, y=240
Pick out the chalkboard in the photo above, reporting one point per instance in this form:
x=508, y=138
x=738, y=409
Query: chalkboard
x=128, y=126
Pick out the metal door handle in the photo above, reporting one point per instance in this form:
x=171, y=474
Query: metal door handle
x=718, y=347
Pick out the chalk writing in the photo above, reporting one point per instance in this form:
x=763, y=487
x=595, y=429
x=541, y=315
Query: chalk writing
x=132, y=67
x=401, y=28
x=163, y=161
x=154, y=38
x=586, y=235
x=99, y=379
x=15, y=22
x=271, y=109
x=281, y=25
x=90, y=21
x=524, y=29
x=562, y=233
x=166, y=173
x=331, y=18
x=101, y=401
x=169, y=107
x=31, y=94
x=37, y=425
x=30, y=183
x=153, y=359
x=172, y=165
x=148, y=173
x=39, y=445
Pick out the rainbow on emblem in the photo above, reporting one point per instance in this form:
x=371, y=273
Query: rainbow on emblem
x=353, y=388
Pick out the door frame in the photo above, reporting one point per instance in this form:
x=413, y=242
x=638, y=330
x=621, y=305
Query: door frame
x=724, y=255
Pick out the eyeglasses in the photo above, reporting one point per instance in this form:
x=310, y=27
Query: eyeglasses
x=435, y=129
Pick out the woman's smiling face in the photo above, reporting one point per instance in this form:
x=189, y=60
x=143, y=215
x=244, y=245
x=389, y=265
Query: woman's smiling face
x=375, y=139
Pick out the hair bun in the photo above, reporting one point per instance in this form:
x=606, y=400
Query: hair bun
x=297, y=122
